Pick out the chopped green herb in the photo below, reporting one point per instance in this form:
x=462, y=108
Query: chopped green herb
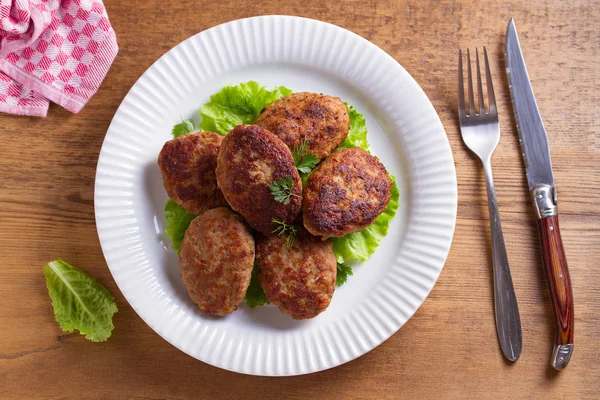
x=282, y=190
x=299, y=151
x=304, y=162
x=282, y=229
x=290, y=240
x=343, y=272
x=308, y=163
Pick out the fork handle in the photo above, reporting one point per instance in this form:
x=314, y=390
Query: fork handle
x=557, y=273
x=508, y=321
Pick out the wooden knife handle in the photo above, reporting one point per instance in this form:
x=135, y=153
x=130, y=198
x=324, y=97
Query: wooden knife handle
x=559, y=284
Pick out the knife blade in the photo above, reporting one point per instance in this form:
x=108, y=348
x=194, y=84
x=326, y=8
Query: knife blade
x=538, y=167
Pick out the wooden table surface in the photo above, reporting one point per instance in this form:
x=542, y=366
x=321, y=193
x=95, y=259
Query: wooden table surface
x=449, y=348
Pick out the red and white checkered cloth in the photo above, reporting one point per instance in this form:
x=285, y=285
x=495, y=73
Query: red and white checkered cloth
x=52, y=50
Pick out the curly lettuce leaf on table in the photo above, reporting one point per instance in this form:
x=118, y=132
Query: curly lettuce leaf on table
x=80, y=301
x=242, y=104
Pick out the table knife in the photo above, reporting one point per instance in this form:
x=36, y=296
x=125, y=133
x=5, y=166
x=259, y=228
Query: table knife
x=536, y=154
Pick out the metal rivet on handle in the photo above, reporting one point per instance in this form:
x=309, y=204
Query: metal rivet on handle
x=559, y=276
x=551, y=228
x=565, y=325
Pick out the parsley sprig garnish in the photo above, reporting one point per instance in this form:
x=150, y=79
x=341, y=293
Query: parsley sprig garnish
x=343, y=271
x=298, y=151
x=304, y=162
x=308, y=163
x=283, y=189
x=283, y=228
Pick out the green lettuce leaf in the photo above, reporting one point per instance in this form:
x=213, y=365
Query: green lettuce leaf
x=79, y=301
x=186, y=126
x=255, y=295
x=178, y=221
x=358, y=246
x=237, y=105
x=357, y=135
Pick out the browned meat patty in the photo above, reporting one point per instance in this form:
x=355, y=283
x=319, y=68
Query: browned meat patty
x=250, y=160
x=321, y=120
x=300, y=280
x=345, y=193
x=216, y=260
x=188, y=164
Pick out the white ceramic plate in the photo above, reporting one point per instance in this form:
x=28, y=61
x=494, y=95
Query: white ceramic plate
x=304, y=55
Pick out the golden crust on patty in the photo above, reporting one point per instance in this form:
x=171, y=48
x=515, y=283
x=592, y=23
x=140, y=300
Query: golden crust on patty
x=216, y=260
x=188, y=164
x=300, y=280
x=321, y=120
x=250, y=160
x=345, y=193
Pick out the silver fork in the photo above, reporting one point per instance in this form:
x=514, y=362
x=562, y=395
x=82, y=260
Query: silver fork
x=481, y=133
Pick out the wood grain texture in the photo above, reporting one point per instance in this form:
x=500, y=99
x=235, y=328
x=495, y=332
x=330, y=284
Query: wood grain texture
x=558, y=278
x=449, y=348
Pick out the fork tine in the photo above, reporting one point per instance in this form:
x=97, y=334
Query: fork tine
x=479, y=85
x=490, y=87
x=470, y=77
x=461, y=88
